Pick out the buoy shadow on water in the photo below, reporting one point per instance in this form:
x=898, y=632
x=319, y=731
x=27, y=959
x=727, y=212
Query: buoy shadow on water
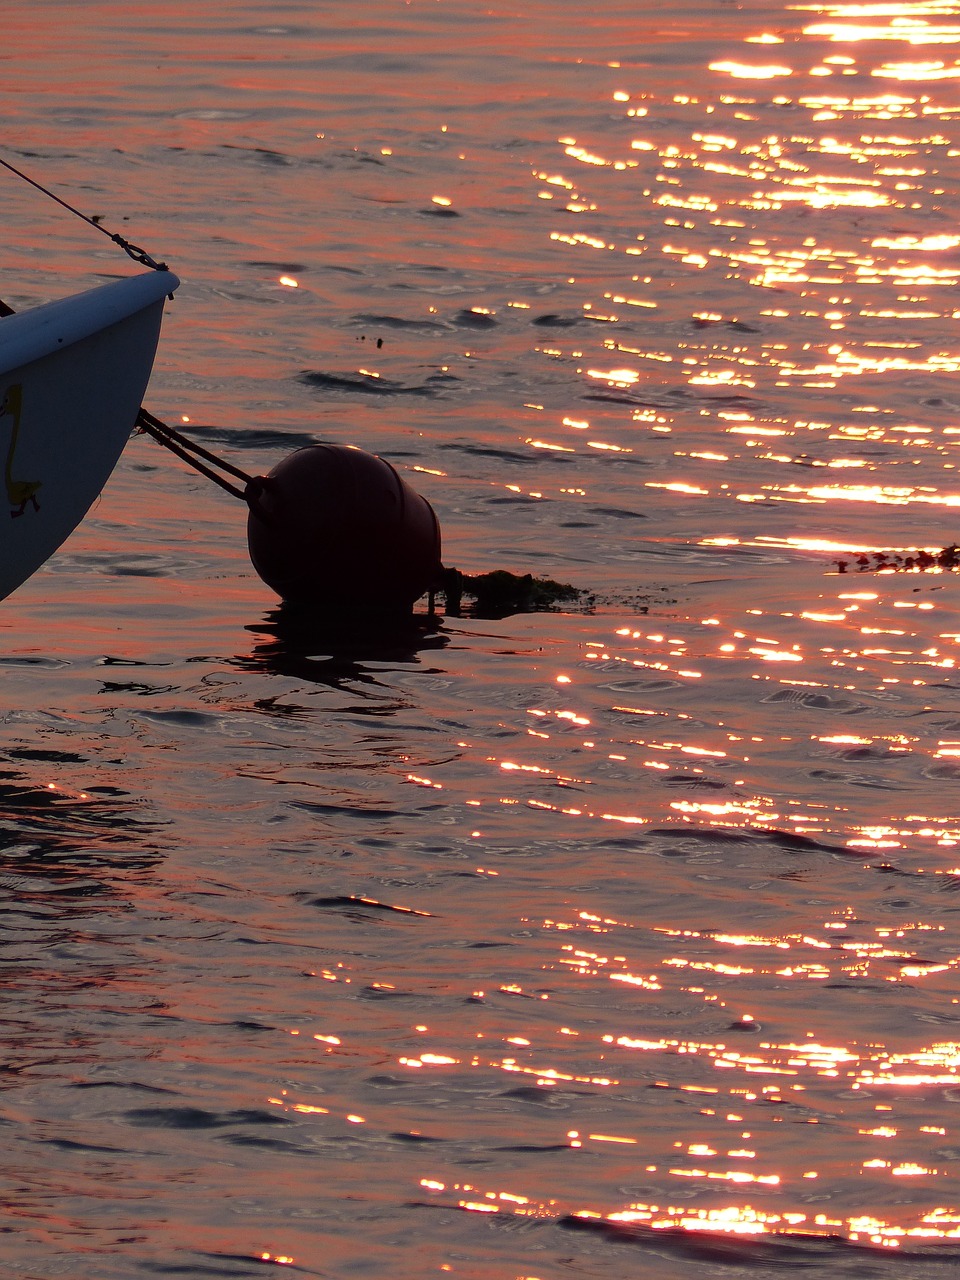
x=309, y=645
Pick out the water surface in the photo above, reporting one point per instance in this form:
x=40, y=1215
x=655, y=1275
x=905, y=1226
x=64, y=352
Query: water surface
x=556, y=945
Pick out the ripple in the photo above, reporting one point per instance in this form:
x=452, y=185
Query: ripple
x=199, y=1118
x=366, y=384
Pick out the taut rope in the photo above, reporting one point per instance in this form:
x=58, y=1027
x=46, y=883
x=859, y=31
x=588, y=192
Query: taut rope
x=132, y=250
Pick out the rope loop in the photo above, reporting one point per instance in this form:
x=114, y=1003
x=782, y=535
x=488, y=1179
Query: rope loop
x=136, y=253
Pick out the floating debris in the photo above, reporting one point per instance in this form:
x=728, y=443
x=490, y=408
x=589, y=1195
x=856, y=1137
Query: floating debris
x=500, y=593
x=880, y=561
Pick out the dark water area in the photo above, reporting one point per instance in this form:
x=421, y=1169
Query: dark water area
x=619, y=941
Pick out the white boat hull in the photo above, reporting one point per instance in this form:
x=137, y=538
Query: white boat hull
x=72, y=378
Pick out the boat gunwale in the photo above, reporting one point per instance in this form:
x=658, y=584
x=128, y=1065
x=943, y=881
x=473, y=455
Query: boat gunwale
x=31, y=335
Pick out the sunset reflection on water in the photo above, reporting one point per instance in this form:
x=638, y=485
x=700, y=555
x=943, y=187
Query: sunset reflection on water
x=728, y=216
x=735, y=1092
x=420, y=952
x=731, y=213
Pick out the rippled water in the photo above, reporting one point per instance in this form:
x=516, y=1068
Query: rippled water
x=621, y=941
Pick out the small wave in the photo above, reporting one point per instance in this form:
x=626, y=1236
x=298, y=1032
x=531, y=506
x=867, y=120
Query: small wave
x=701, y=835
x=198, y=1118
x=640, y=686
x=467, y=319
x=347, y=810
x=32, y=660
x=688, y=780
x=356, y=158
x=212, y=1264
x=180, y=719
x=262, y=154
x=294, y=268
x=813, y=701
x=50, y=757
x=789, y=841
x=792, y=841
x=951, y=771
x=486, y=451
x=618, y=513
x=270, y=1144
x=66, y=1144
x=398, y=322
x=250, y=437
x=878, y=751
x=364, y=383
x=349, y=903
x=794, y=1251
x=856, y=779
x=553, y=321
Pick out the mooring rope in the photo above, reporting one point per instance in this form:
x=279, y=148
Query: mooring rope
x=191, y=452
x=188, y=450
x=132, y=250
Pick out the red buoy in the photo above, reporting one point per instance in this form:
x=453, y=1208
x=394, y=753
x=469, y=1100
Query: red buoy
x=333, y=527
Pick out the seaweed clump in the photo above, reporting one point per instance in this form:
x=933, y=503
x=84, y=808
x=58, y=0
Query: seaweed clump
x=947, y=558
x=500, y=593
